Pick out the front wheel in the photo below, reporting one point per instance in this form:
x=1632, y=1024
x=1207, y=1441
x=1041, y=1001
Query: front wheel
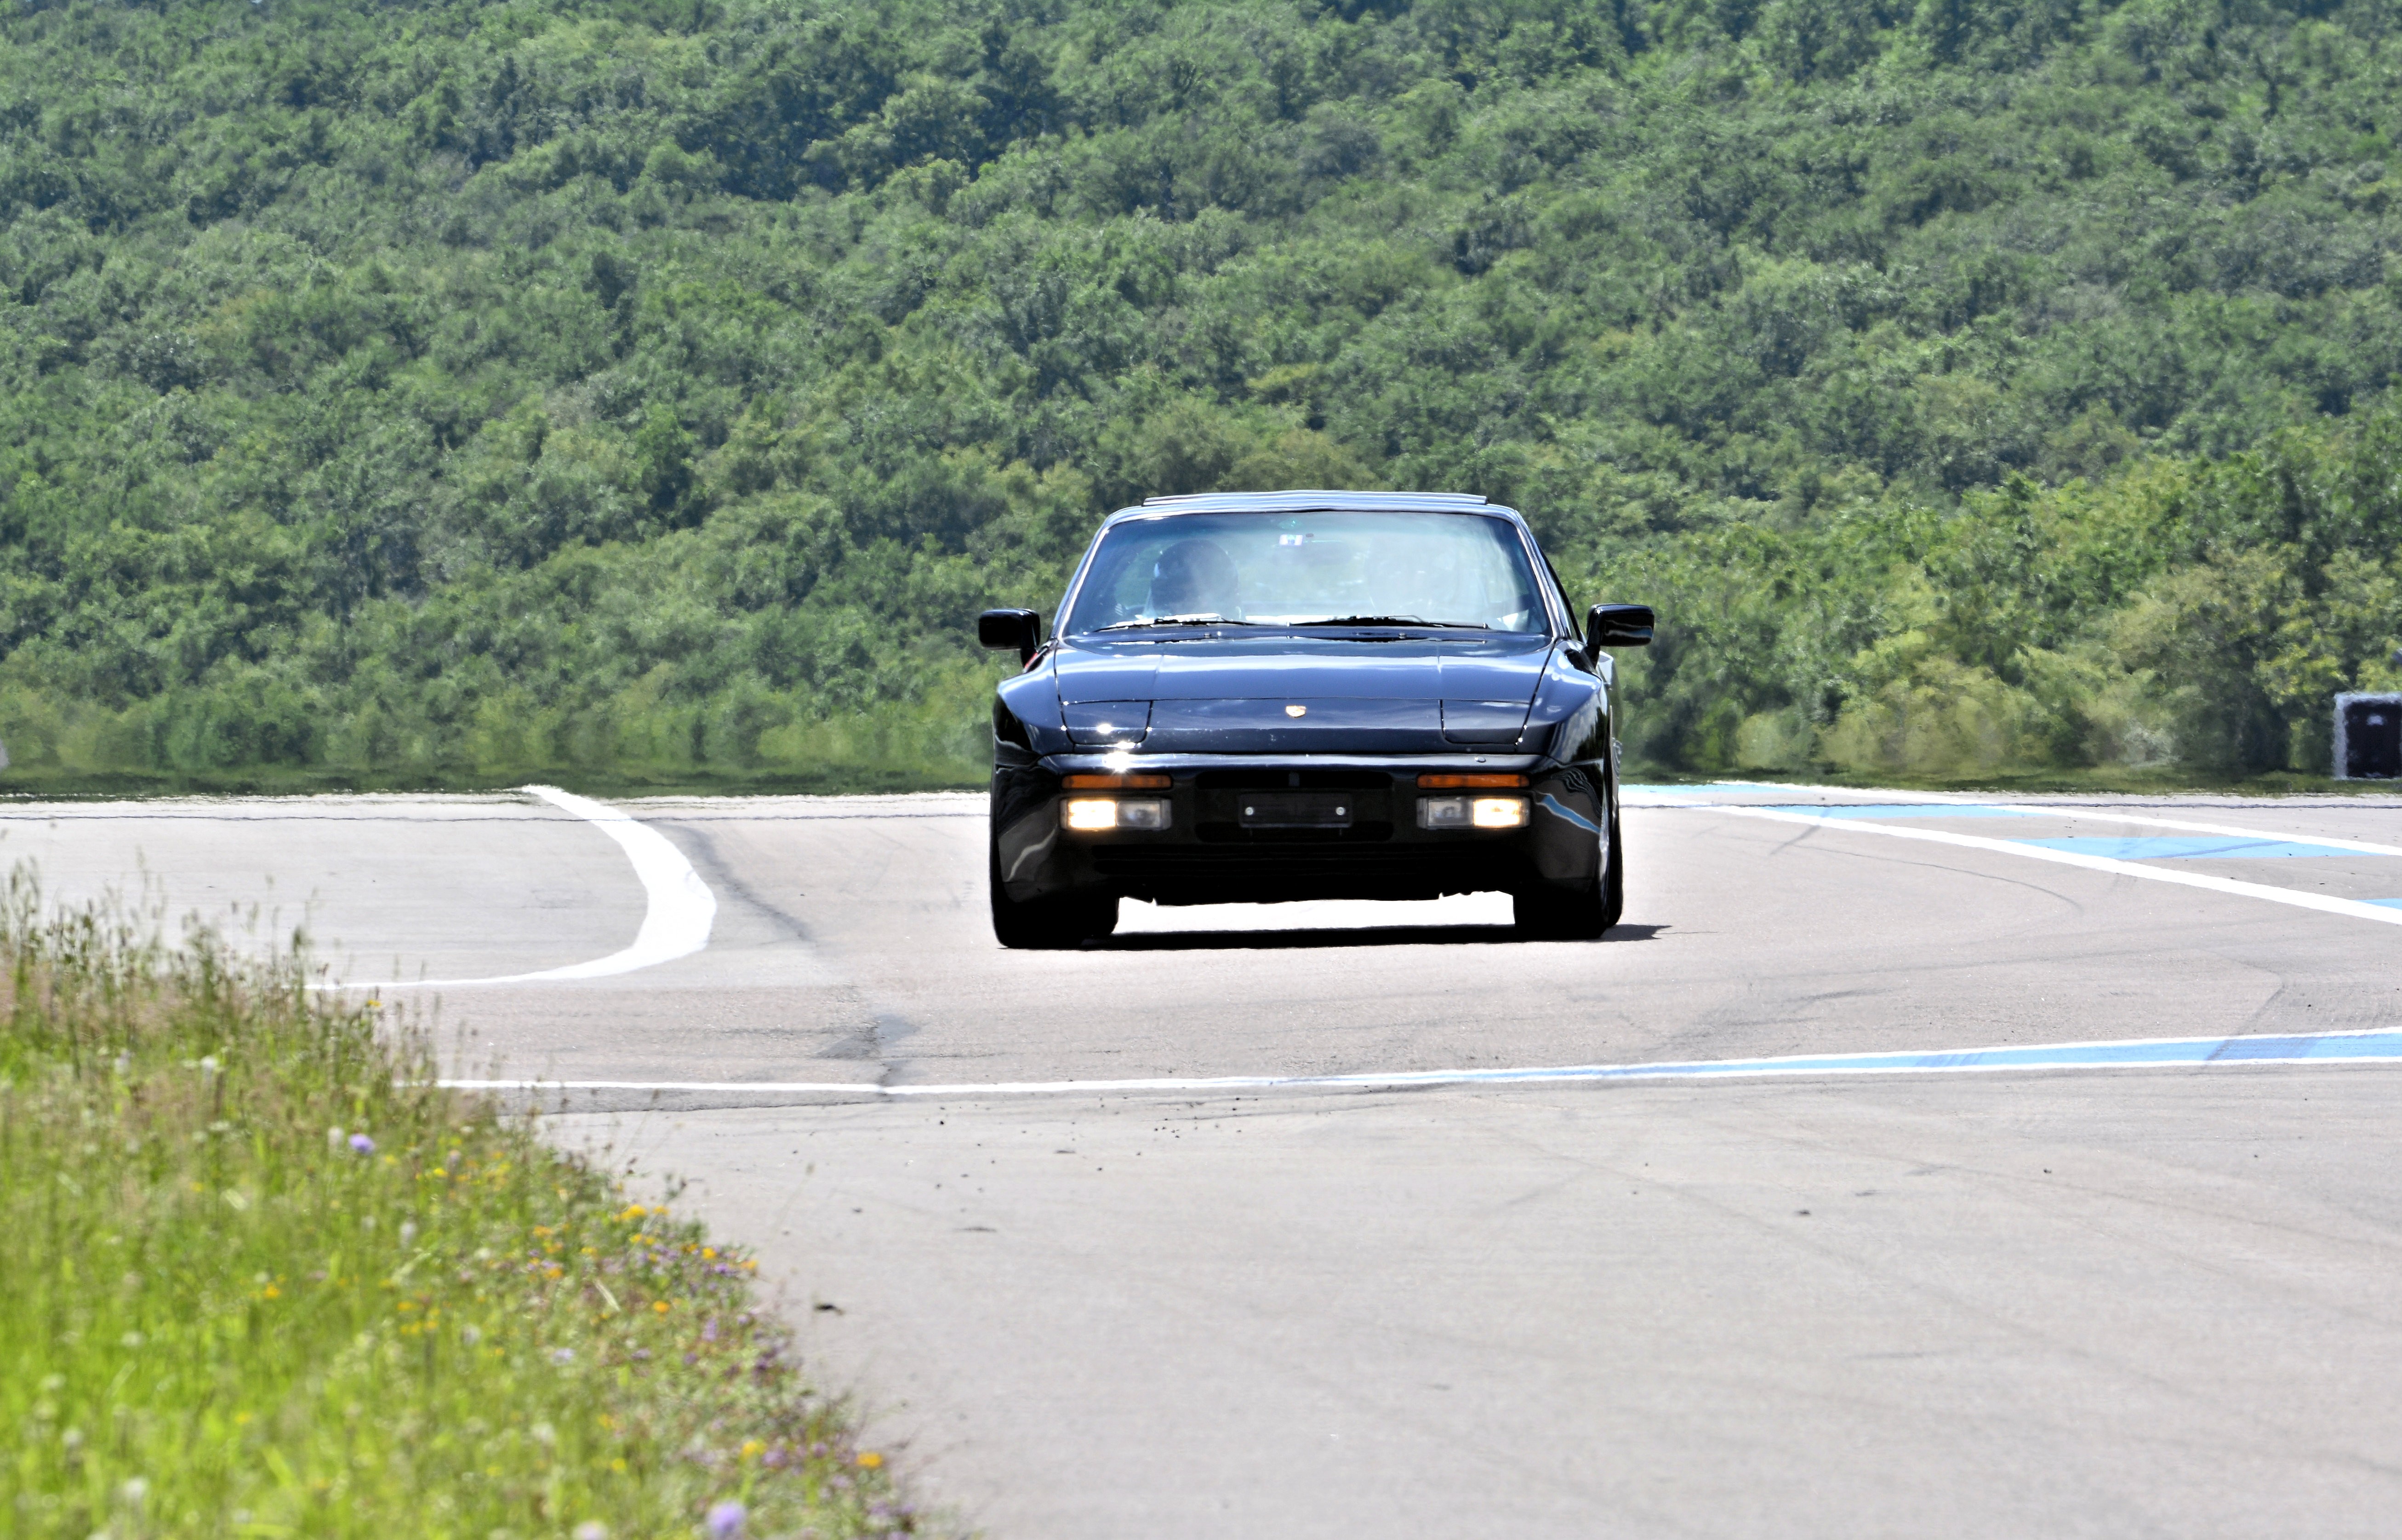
x=1576, y=914
x=1048, y=925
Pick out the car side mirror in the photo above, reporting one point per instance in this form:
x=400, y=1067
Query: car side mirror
x=1617, y=625
x=1018, y=628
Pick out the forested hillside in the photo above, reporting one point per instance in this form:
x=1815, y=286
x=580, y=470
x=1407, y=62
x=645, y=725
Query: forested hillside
x=408, y=393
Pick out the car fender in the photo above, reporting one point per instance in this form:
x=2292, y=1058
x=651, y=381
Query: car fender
x=1026, y=714
x=1569, y=721
x=1028, y=723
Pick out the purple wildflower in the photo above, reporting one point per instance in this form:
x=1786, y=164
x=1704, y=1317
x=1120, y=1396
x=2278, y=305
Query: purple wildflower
x=362, y=1144
x=725, y=1520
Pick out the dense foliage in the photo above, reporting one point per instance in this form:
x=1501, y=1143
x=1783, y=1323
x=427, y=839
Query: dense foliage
x=435, y=388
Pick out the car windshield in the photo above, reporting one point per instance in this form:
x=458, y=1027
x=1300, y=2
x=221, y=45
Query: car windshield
x=1449, y=570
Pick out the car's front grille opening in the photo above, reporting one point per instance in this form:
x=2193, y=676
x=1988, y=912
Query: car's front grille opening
x=1292, y=781
x=1234, y=833
x=1336, y=854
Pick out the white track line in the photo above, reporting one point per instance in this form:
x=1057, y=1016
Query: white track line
x=2364, y=847
x=2299, y=899
x=676, y=924
x=1665, y=797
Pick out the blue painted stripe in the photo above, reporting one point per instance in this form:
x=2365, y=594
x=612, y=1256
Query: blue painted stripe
x=2331, y=1047
x=2384, y=903
x=1559, y=809
x=1906, y=810
x=2378, y=1046
x=2190, y=848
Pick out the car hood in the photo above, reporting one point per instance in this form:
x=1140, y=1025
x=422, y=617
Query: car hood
x=1235, y=693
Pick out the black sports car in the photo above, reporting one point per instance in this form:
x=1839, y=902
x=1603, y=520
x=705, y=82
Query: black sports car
x=1263, y=696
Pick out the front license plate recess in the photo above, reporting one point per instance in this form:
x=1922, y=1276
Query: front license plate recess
x=1296, y=809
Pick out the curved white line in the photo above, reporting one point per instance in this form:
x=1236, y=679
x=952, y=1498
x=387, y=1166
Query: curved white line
x=2320, y=901
x=1669, y=796
x=2365, y=847
x=676, y=924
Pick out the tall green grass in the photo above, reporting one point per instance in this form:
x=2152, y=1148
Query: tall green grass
x=259, y=1277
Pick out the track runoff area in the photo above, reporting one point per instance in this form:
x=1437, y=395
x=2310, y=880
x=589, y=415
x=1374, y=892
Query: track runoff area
x=1904, y=1165
x=2221, y=858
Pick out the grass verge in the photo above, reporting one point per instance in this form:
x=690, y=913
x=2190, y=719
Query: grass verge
x=262, y=1278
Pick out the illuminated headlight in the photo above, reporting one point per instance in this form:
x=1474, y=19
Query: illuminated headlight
x=1471, y=812
x=1097, y=815
x=1497, y=812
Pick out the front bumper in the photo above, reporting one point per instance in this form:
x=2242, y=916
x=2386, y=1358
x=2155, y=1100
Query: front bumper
x=1207, y=856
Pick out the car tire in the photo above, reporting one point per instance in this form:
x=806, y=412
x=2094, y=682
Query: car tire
x=1048, y=925
x=1579, y=914
x=1613, y=881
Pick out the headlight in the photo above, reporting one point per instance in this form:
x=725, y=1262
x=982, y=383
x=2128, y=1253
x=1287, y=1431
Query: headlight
x=1471, y=812
x=1099, y=815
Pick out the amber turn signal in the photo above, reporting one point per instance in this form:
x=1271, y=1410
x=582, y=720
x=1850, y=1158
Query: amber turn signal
x=1447, y=783
x=1136, y=783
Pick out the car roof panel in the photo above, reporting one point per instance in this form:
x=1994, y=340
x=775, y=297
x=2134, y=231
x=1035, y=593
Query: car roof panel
x=1315, y=501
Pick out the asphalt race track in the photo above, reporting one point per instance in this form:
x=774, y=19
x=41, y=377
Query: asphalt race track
x=1931, y=1293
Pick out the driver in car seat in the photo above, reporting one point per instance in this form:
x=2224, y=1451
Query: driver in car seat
x=1195, y=577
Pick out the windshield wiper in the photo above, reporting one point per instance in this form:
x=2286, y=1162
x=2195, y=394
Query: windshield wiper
x=1178, y=620
x=1397, y=620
